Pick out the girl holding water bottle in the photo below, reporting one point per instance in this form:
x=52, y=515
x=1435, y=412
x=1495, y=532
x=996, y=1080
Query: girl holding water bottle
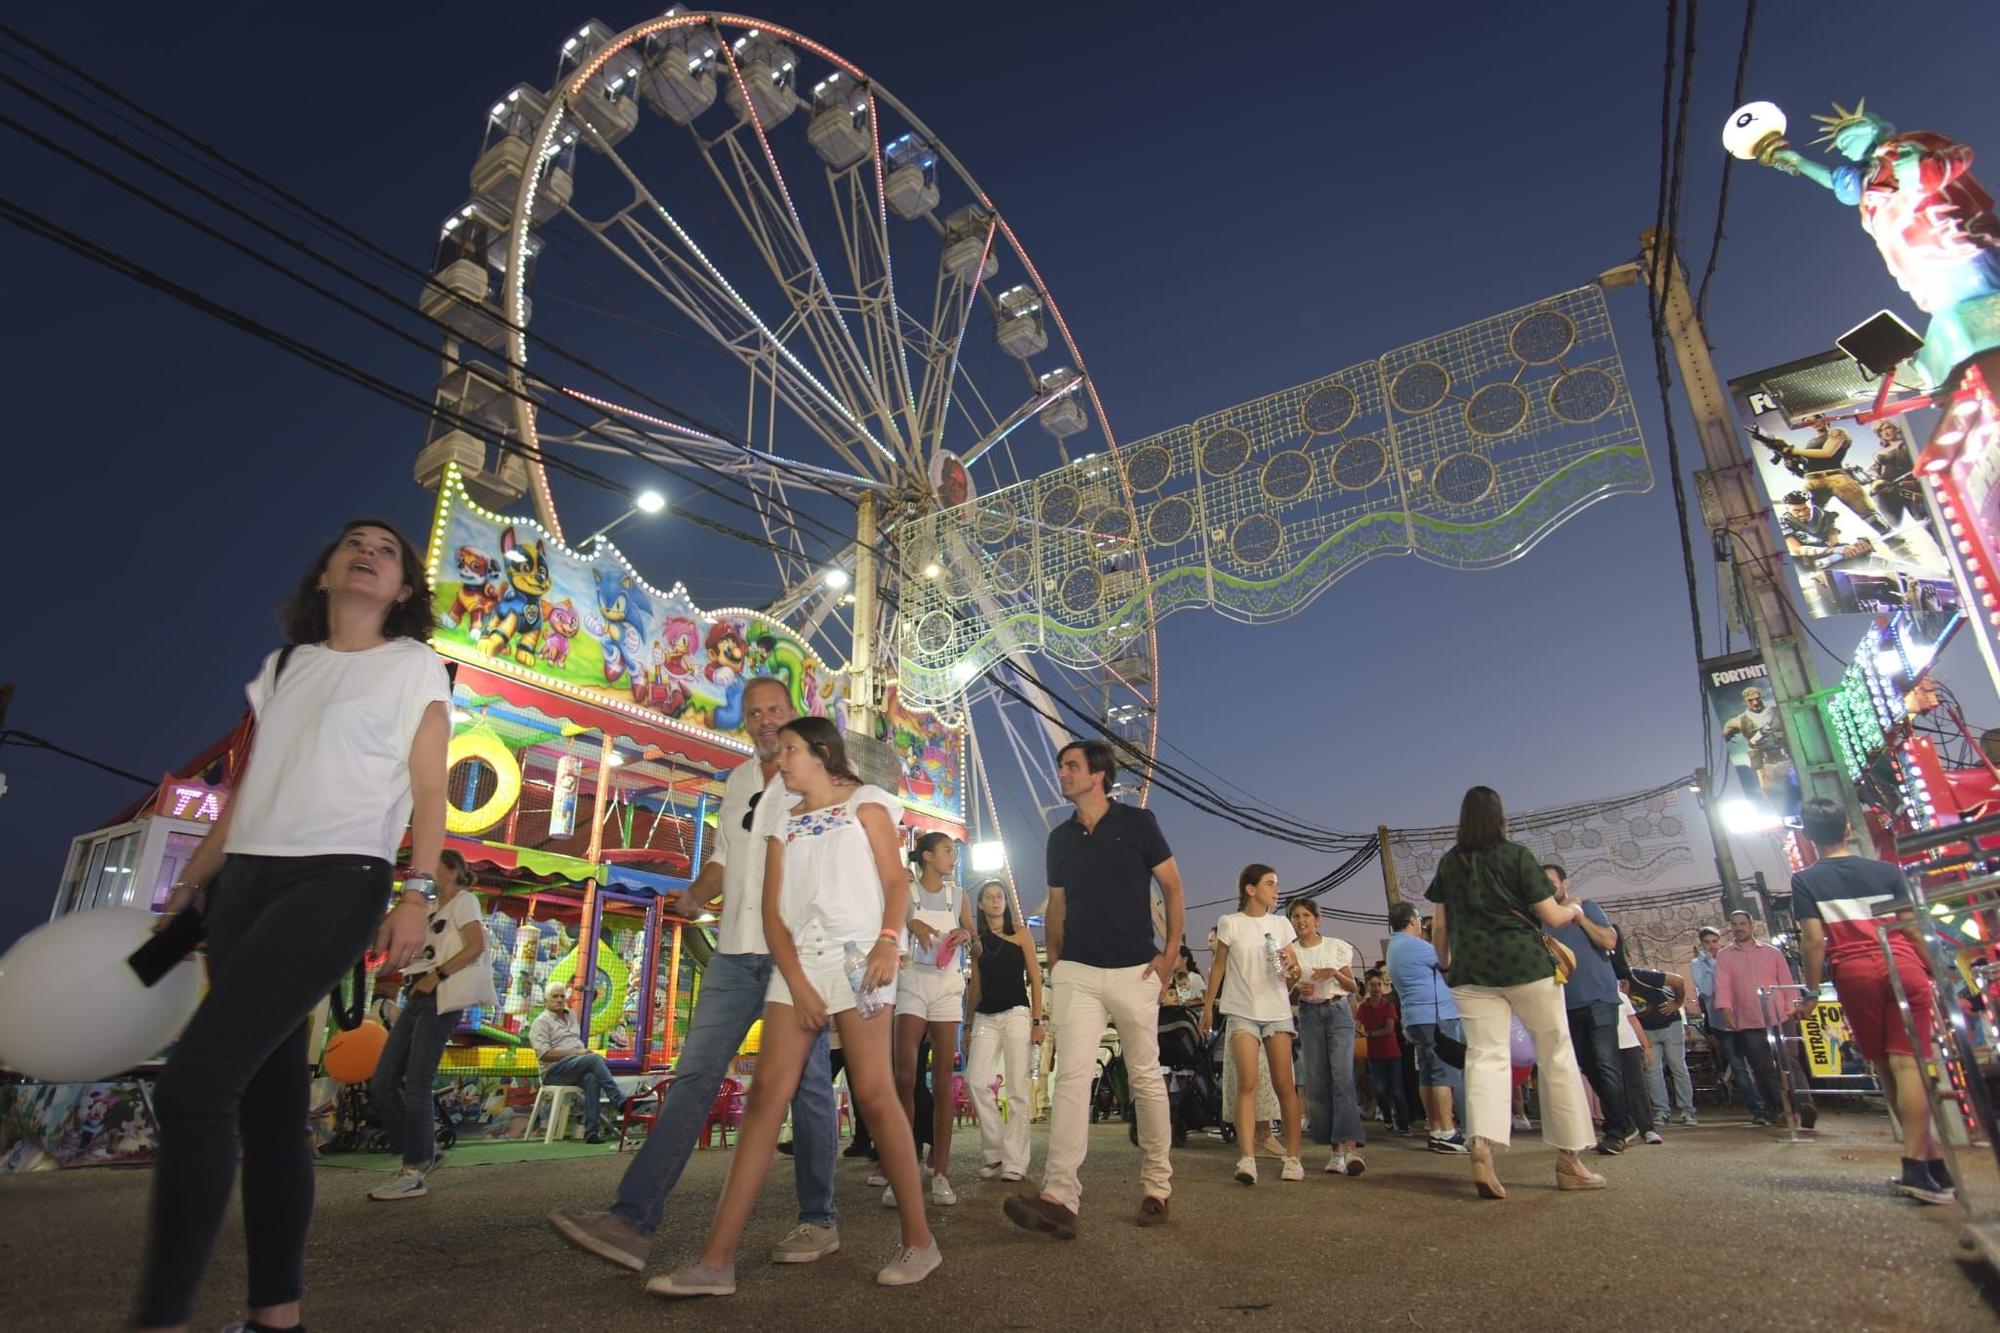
x=930, y=998
x=1254, y=967
x=834, y=900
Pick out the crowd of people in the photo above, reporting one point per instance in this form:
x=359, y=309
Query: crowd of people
x=830, y=935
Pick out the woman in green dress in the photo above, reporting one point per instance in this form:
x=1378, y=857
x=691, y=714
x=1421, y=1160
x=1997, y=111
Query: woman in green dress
x=1492, y=901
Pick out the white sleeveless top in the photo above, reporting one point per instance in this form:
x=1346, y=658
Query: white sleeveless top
x=832, y=892
x=939, y=911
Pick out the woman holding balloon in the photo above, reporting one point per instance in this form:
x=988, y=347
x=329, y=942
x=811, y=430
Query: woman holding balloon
x=352, y=724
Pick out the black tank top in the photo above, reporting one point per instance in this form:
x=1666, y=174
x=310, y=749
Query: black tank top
x=1003, y=974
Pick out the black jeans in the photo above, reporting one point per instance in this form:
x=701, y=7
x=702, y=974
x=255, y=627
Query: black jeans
x=1593, y=1032
x=406, y=1075
x=1638, y=1101
x=1755, y=1043
x=281, y=932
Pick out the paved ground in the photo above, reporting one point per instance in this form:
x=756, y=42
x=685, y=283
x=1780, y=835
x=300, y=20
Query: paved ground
x=1724, y=1227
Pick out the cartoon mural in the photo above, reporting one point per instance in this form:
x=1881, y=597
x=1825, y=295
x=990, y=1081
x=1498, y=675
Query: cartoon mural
x=44, y=1126
x=510, y=596
x=932, y=755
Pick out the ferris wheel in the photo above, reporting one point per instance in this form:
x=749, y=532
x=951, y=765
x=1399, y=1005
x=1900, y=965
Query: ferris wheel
x=742, y=214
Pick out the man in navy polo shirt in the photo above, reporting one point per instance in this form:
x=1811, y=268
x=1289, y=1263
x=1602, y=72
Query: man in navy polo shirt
x=1104, y=964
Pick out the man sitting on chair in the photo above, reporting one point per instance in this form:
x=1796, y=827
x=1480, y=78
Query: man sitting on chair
x=567, y=1062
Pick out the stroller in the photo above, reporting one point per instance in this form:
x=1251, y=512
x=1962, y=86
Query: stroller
x=357, y=1126
x=1193, y=1073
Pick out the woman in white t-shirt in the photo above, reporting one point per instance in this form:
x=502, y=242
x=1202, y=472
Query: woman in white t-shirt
x=450, y=974
x=1326, y=1040
x=1253, y=967
x=834, y=888
x=352, y=722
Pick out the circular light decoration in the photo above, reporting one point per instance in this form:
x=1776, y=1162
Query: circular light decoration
x=961, y=579
x=1419, y=387
x=482, y=749
x=1080, y=590
x=1670, y=826
x=997, y=522
x=1640, y=826
x=1328, y=409
x=1627, y=853
x=1059, y=506
x=1463, y=479
x=1112, y=525
x=1012, y=569
x=1287, y=476
x=1564, y=839
x=1148, y=467
x=935, y=633
x=1542, y=337
x=1256, y=540
x=1359, y=464
x=1170, y=522
x=1583, y=395
x=1225, y=452
x=1496, y=410
x=1591, y=838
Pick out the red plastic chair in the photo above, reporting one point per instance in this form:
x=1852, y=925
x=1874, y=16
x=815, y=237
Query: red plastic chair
x=961, y=1101
x=642, y=1108
x=725, y=1114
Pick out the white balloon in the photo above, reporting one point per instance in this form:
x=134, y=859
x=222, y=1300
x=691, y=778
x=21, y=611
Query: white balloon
x=1749, y=125
x=73, y=1011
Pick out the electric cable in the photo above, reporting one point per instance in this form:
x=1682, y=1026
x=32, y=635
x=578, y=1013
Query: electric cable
x=1728, y=163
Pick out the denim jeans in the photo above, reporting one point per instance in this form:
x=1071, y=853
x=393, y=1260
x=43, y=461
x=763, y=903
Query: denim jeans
x=1739, y=1069
x=1670, y=1061
x=1386, y=1077
x=1431, y=1071
x=1632, y=1072
x=1593, y=1031
x=406, y=1074
x=1326, y=1041
x=586, y=1070
x=282, y=931
x=732, y=998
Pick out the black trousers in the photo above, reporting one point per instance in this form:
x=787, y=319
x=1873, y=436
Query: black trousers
x=1638, y=1102
x=281, y=932
x=1593, y=1032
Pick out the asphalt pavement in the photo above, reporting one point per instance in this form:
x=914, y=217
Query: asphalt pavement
x=1722, y=1227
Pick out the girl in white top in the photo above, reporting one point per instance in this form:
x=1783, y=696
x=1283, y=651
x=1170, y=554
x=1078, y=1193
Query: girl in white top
x=930, y=998
x=1254, y=966
x=450, y=974
x=352, y=723
x=833, y=876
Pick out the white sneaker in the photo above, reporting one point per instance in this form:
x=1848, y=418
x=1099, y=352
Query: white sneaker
x=408, y=1184
x=1246, y=1170
x=876, y=1180
x=1522, y=1122
x=1336, y=1165
x=942, y=1193
x=1292, y=1170
x=910, y=1266
x=888, y=1196
x=990, y=1170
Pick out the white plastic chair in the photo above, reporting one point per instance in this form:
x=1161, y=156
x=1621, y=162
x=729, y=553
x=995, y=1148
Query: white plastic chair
x=559, y=1099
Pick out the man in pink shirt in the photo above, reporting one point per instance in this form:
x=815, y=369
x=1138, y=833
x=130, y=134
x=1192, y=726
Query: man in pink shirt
x=1743, y=966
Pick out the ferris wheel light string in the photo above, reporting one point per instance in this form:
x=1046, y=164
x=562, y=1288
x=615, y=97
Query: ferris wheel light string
x=888, y=260
x=971, y=295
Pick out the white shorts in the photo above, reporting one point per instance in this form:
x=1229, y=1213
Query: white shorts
x=933, y=995
x=827, y=974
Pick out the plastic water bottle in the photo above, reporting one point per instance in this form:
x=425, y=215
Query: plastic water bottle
x=1271, y=958
x=854, y=962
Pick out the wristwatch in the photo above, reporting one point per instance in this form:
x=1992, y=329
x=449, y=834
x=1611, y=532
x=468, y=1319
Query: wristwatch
x=418, y=882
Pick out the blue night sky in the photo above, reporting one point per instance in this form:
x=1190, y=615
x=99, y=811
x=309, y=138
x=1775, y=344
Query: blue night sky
x=1223, y=209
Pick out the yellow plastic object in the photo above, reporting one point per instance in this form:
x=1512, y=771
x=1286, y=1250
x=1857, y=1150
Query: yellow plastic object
x=490, y=750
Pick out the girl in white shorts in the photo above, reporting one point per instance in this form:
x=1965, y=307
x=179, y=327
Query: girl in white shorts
x=833, y=877
x=930, y=996
x=1254, y=966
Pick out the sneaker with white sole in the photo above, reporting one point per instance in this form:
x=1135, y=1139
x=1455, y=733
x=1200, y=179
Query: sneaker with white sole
x=1453, y=1142
x=437, y=1163
x=1292, y=1170
x=695, y=1280
x=876, y=1179
x=942, y=1193
x=604, y=1235
x=1246, y=1170
x=888, y=1196
x=1336, y=1165
x=1522, y=1122
x=990, y=1170
x=408, y=1184
x=806, y=1242
x=912, y=1264
x=1652, y=1136
x=1355, y=1166
x=1010, y=1177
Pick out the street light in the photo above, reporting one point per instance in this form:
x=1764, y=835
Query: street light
x=836, y=578
x=645, y=502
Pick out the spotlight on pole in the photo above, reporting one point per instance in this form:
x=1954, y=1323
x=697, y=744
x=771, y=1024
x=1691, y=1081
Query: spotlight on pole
x=987, y=856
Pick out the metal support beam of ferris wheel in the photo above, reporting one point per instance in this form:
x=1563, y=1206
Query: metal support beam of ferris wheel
x=1737, y=515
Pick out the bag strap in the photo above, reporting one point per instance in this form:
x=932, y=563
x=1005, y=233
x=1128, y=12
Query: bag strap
x=284, y=660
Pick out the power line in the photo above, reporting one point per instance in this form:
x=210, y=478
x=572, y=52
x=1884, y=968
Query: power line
x=28, y=740
x=1728, y=162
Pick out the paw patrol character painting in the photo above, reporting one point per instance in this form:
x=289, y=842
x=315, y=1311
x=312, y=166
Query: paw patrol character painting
x=563, y=626
x=479, y=589
x=515, y=629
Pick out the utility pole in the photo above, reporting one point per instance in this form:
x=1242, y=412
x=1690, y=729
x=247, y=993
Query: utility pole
x=1389, y=888
x=1738, y=519
x=861, y=697
x=1725, y=852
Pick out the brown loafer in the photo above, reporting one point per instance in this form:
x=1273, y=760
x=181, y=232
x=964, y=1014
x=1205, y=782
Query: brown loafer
x=1031, y=1212
x=1152, y=1212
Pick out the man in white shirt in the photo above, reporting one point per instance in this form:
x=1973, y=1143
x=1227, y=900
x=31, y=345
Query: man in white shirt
x=732, y=998
x=569, y=1063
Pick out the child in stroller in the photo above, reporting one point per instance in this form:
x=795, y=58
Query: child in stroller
x=1192, y=1068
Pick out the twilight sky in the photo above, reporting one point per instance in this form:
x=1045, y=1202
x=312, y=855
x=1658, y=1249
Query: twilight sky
x=1223, y=209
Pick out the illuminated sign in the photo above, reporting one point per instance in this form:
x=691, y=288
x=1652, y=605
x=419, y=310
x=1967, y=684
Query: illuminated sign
x=195, y=801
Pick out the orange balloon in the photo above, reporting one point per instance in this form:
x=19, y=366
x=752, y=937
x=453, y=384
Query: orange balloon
x=351, y=1056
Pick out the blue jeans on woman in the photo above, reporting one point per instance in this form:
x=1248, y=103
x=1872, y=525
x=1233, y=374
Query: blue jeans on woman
x=406, y=1074
x=1326, y=1040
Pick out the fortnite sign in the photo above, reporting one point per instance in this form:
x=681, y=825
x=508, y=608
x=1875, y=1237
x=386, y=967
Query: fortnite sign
x=182, y=799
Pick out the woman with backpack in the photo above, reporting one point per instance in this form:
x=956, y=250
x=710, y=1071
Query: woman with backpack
x=1492, y=901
